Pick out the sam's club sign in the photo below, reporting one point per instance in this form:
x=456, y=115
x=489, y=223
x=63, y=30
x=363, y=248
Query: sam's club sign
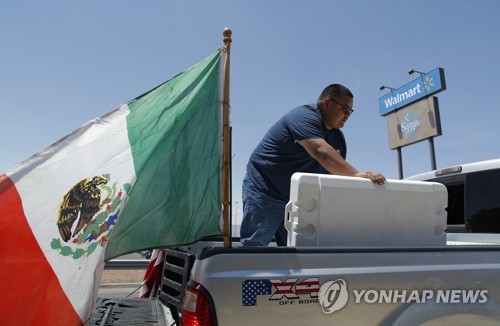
x=426, y=85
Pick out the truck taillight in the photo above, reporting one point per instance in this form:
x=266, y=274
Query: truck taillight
x=197, y=307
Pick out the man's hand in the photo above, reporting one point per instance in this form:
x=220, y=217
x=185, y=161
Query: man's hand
x=375, y=177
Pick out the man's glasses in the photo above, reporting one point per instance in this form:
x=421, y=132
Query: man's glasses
x=345, y=107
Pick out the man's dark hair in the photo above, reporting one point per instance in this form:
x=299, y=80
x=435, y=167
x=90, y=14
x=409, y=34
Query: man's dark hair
x=334, y=91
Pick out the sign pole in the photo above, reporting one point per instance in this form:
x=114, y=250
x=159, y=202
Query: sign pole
x=433, y=153
x=400, y=163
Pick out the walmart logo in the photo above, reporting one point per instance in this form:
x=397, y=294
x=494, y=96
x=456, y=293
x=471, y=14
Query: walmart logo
x=425, y=86
x=428, y=83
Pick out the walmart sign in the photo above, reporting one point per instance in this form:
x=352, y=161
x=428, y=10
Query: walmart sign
x=428, y=84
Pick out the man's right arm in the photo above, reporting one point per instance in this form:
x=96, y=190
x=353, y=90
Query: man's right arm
x=333, y=162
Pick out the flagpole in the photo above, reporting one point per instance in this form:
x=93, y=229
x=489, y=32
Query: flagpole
x=226, y=146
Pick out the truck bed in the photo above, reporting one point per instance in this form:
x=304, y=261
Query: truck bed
x=385, y=285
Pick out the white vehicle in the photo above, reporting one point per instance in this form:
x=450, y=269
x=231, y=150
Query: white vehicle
x=473, y=195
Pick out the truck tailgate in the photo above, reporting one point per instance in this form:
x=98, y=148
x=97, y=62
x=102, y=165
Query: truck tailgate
x=359, y=286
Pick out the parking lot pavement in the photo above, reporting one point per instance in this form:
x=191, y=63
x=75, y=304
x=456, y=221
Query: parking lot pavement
x=120, y=283
x=119, y=290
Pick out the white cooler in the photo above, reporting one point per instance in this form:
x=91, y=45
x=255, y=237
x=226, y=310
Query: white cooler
x=329, y=210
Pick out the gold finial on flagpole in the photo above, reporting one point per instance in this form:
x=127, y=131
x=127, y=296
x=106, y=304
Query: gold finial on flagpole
x=227, y=35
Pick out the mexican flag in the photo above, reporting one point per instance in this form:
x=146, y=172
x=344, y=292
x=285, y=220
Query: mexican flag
x=145, y=175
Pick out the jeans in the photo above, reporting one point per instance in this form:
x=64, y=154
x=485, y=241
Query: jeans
x=263, y=218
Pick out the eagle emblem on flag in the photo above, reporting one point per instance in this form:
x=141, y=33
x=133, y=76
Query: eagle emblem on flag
x=82, y=201
x=87, y=213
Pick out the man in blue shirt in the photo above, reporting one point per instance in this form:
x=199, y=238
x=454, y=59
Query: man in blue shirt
x=306, y=139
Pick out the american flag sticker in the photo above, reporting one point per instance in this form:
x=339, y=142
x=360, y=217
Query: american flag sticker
x=252, y=288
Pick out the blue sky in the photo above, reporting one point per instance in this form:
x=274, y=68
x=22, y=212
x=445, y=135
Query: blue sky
x=64, y=63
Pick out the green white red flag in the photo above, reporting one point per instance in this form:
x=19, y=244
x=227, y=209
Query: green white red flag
x=145, y=175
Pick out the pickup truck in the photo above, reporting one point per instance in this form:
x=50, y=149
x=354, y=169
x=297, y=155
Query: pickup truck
x=357, y=254
x=473, y=195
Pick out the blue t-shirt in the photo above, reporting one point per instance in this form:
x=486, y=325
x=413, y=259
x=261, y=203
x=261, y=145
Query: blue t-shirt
x=279, y=155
